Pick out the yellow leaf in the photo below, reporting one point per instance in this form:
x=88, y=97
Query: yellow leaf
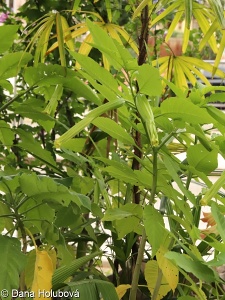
x=43, y=272
x=169, y=271
x=121, y=290
x=151, y=276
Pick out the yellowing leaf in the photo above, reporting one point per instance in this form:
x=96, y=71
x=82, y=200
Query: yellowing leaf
x=170, y=271
x=121, y=290
x=151, y=276
x=43, y=272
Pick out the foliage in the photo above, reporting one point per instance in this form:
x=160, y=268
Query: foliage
x=87, y=152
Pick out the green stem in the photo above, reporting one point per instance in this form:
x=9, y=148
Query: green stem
x=134, y=285
x=157, y=285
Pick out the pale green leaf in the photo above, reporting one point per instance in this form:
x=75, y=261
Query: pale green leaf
x=149, y=81
x=113, y=129
x=7, y=36
x=220, y=220
x=203, y=160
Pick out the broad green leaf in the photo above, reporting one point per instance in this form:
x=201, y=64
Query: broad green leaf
x=155, y=237
x=115, y=130
x=87, y=120
x=122, y=174
x=185, y=110
x=96, y=71
x=94, y=289
x=197, y=268
x=112, y=49
x=29, y=269
x=151, y=276
x=170, y=272
x=219, y=53
x=203, y=160
x=149, y=81
x=33, y=147
x=12, y=262
x=43, y=272
x=131, y=223
x=7, y=36
x=11, y=63
x=47, y=75
x=76, y=145
x=6, y=134
x=220, y=220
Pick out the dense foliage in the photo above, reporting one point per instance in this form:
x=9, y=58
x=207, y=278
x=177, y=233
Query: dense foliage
x=92, y=120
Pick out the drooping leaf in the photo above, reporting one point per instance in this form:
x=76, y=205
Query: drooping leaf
x=43, y=272
x=122, y=289
x=170, y=272
x=12, y=262
x=151, y=276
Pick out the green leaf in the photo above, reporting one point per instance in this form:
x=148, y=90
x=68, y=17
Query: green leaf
x=155, y=237
x=173, y=169
x=197, y=268
x=6, y=134
x=11, y=63
x=87, y=120
x=94, y=289
x=153, y=279
x=115, y=130
x=185, y=110
x=212, y=192
x=113, y=214
x=220, y=220
x=149, y=81
x=33, y=147
x=96, y=71
x=8, y=35
x=12, y=262
x=201, y=159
